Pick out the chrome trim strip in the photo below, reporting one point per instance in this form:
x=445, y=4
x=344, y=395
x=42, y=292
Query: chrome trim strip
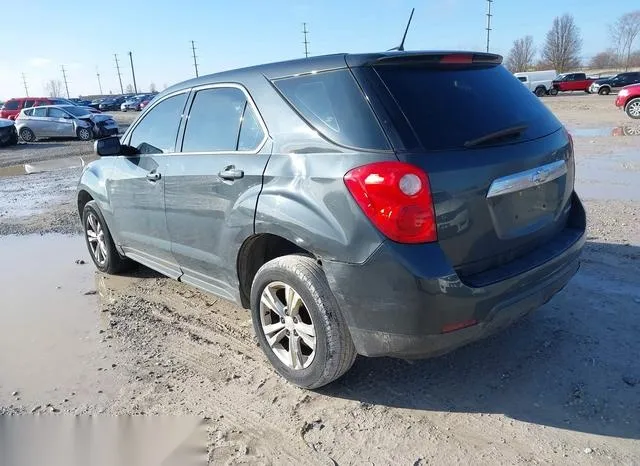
x=527, y=179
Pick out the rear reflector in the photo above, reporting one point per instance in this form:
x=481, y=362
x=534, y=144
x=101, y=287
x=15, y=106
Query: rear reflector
x=459, y=325
x=396, y=198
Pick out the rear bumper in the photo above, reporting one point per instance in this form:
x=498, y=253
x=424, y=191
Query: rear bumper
x=399, y=301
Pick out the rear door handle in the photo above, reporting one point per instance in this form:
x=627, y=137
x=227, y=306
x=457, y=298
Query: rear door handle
x=154, y=176
x=231, y=173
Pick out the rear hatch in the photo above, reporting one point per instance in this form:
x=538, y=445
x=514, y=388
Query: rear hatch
x=500, y=164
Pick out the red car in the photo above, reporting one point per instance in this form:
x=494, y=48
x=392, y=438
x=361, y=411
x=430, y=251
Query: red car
x=12, y=107
x=629, y=100
x=571, y=82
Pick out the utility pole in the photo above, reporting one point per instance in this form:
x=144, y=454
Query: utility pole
x=195, y=62
x=64, y=76
x=489, y=15
x=99, y=83
x=24, y=81
x=306, y=42
x=119, y=75
x=133, y=73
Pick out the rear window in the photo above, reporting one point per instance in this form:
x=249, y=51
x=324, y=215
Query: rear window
x=448, y=106
x=333, y=104
x=11, y=105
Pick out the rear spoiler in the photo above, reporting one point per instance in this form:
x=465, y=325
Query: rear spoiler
x=425, y=58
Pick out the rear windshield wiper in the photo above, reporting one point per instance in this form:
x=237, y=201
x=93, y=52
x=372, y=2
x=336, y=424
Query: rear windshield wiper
x=512, y=131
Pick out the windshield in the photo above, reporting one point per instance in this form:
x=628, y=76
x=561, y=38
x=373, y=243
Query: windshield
x=447, y=106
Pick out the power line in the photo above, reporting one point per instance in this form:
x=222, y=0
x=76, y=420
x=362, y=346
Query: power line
x=99, y=83
x=305, y=42
x=195, y=62
x=133, y=73
x=119, y=74
x=24, y=81
x=489, y=15
x=64, y=76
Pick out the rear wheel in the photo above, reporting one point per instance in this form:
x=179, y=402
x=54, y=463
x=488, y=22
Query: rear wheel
x=633, y=108
x=99, y=242
x=298, y=323
x=604, y=91
x=84, y=134
x=540, y=91
x=27, y=135
x=553, y=91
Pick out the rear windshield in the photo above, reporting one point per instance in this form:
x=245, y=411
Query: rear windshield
x=334, y=105
x=11, y=105
x=448, y=106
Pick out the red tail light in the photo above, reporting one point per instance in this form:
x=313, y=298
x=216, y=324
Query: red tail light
x=396, y=197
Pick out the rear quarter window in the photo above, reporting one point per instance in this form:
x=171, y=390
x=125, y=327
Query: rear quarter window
x=334, y=105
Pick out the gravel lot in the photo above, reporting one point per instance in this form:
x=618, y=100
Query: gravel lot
x=561, y=386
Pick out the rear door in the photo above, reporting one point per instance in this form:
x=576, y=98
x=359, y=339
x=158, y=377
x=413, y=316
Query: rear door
x=499, y=164
x=212, y=186
x=38, y=122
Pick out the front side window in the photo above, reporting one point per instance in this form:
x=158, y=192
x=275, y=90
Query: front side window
x=157, y=132
x=214, y=120
x=57, y=113
x=335, y=106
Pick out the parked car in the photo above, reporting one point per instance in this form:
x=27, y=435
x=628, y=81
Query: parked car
x=605, y=86
x=80, y=102
x=8, y=133
x=349, y=217
x=571, y=82
x=132, y=103
x=63, y=121
x=111, y=104
x=628, y=99
x=145, y=102
x=538, y=82
x=12, y=107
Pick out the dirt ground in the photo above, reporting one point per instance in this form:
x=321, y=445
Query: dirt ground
x=561, y=386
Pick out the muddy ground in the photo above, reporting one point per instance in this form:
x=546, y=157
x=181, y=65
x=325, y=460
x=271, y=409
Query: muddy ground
x=561, y=386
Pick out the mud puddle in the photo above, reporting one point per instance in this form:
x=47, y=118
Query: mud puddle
x=50, y=345
x=45, y=166
x=625, y=130
x=610, y=177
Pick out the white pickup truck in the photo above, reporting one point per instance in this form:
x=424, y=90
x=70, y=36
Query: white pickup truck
x=538, y=82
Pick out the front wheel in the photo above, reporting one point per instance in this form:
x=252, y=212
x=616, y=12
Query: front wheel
x=633, y=108
x=99, y=241
x=84, y=134
x=298, y=324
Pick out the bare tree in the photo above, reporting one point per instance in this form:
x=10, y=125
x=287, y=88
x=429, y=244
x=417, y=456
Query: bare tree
x=129, y=89
x=54, y=87
x=152, y=87
x=522, y=54
x=606, y=59
x=624, y=33
x=563, y=44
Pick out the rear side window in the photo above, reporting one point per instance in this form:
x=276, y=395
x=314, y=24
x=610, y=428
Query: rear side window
x=40, y=112
x=28, y=112
x=29, y=103
x=450, y=105
x=522, y=79
x=334, y=105
x=11, y=105
x=214, y=120
x=157, y=132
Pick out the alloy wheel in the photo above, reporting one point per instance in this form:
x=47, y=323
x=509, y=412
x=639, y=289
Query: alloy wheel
x=634, y=109
x=84, y=134
x=95, y=236
x=287, y=325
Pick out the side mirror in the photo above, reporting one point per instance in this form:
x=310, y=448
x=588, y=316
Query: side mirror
x=107, y=146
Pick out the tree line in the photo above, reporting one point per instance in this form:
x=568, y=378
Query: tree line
x=563, y=44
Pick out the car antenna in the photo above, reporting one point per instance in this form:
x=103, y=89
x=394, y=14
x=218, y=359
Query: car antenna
x=400, y=47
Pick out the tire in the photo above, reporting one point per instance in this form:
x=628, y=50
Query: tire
x=84, y=134
x=633, y=108
x=102, y=251
x=331, y=352
x=604, y=91
x=540, y=91
x=27, y=135
x=553, y=91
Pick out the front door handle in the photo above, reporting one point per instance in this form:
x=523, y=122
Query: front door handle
x=231, y=173
x=154, y=176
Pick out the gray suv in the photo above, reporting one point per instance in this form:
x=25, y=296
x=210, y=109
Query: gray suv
x=388, y=204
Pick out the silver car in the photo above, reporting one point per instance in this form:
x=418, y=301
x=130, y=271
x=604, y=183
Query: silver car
x=63, y=121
